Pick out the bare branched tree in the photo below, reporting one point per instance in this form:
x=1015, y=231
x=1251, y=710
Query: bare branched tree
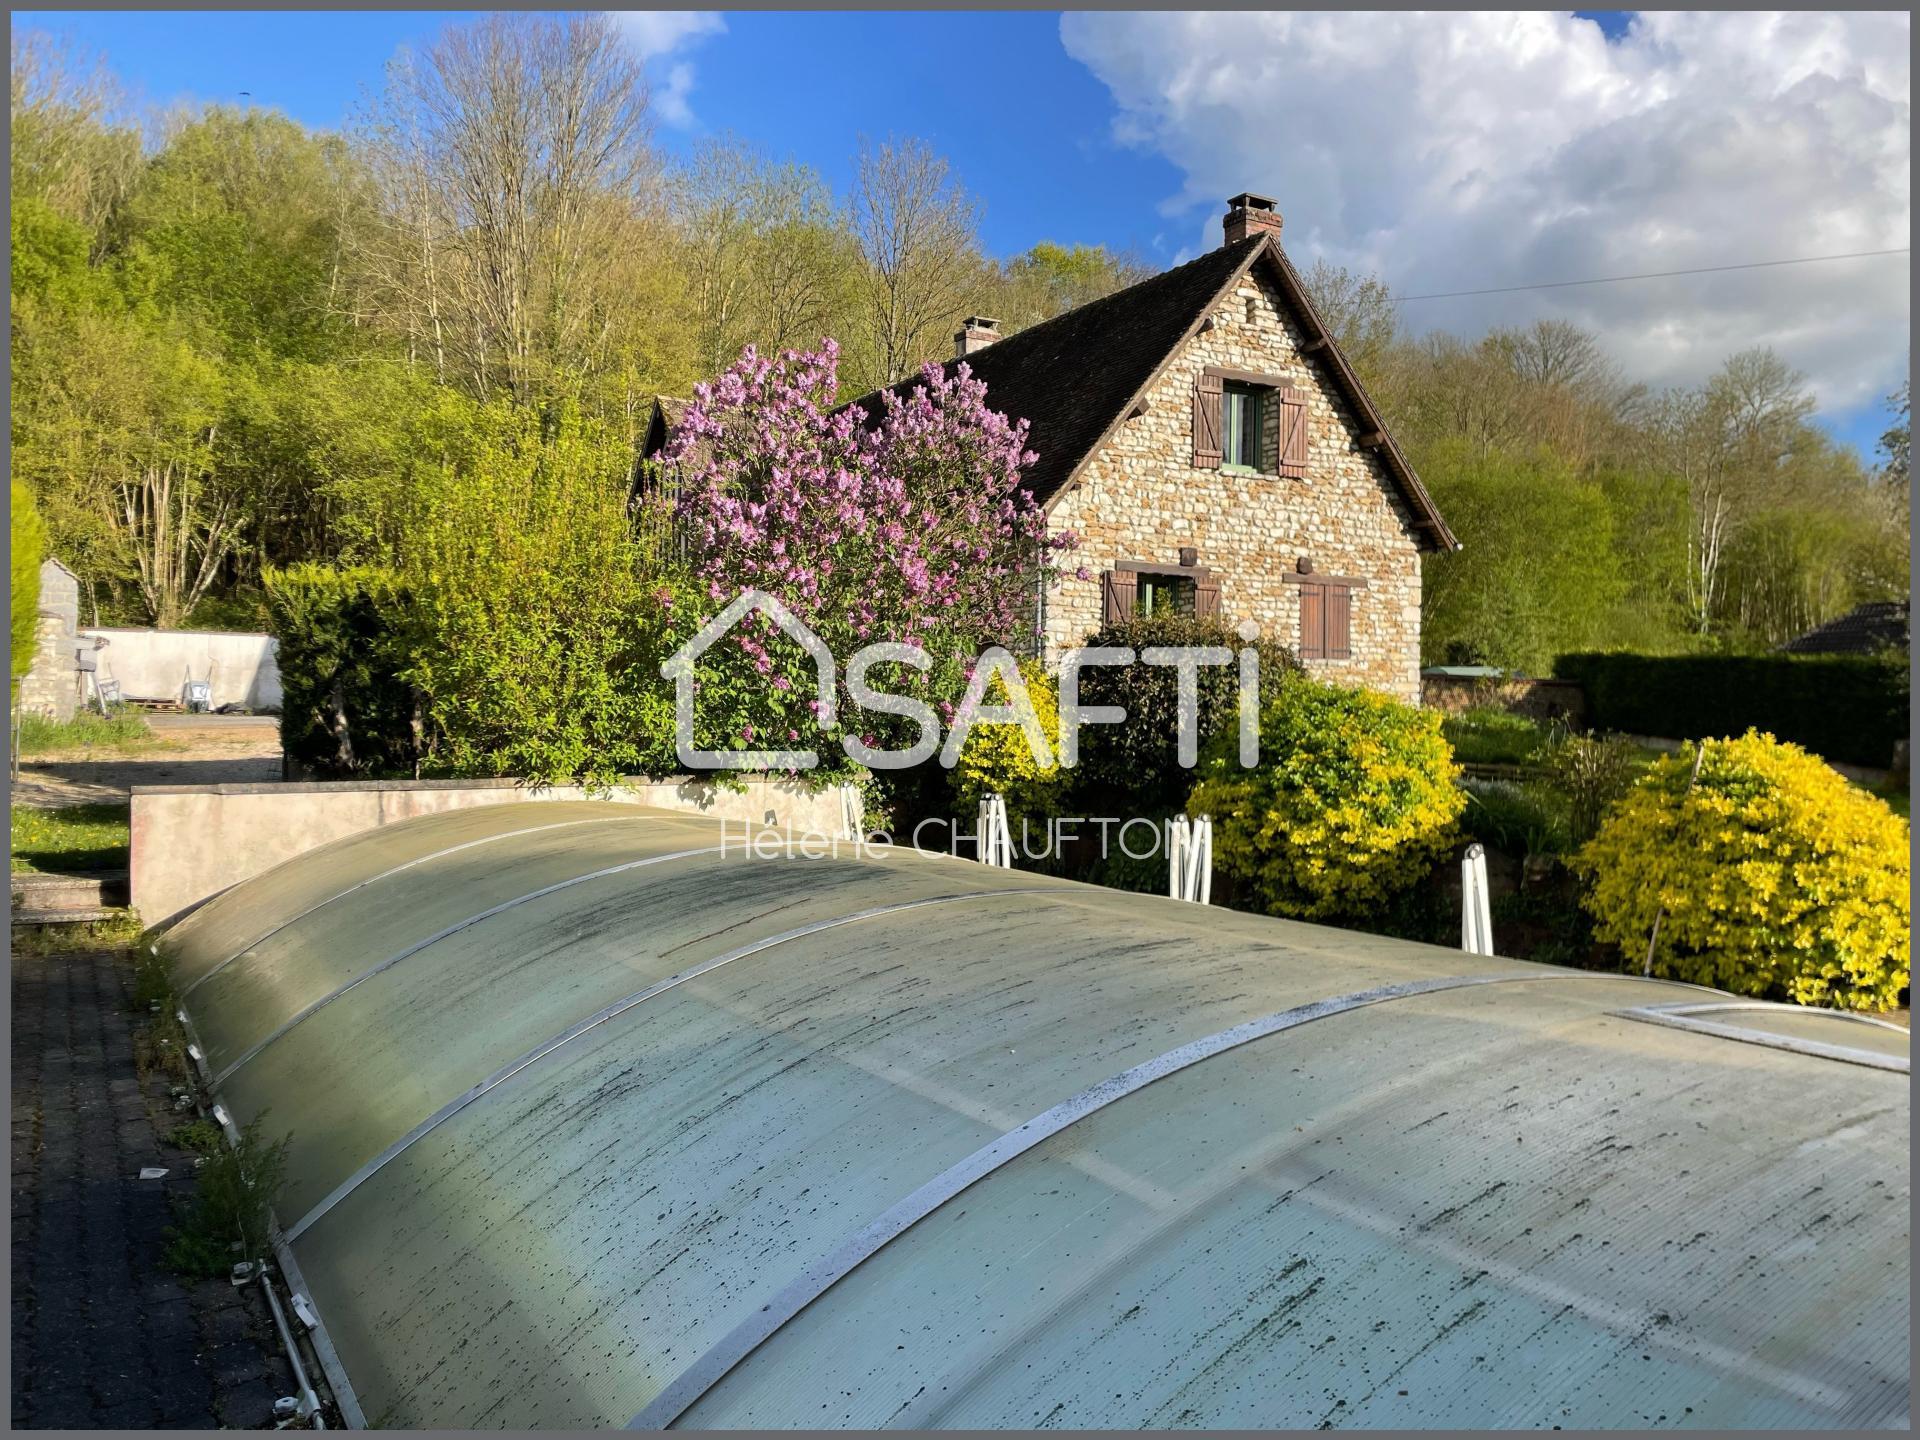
x=518, y=180
x=768, y=258
x=67, y=147
x=1358, y=308
x=918, y=234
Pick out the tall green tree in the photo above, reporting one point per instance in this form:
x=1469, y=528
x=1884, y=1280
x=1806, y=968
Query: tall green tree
x=27, y=547
x=1538, y=575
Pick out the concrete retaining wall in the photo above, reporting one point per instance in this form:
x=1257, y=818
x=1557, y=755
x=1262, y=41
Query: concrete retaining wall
x=193, y=841
x=155, y=664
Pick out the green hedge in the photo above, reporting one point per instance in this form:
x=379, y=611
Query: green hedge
x=346, y=712
x=1850, y=708
x=1132, y=768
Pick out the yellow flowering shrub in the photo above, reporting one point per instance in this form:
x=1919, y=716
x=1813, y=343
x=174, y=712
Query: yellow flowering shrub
x=997, y=757
x=1353, y=802
x=1777, y=877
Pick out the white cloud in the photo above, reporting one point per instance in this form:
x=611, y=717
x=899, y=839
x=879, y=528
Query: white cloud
x=1460, y=151
x=656, y=36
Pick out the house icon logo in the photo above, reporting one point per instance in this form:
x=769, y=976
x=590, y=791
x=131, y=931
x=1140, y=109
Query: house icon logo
x=679, y=668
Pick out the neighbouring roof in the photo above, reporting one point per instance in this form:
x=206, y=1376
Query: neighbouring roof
x=666, y=413
x=1076, y=377
x=598, y=1117
x=1861, y=631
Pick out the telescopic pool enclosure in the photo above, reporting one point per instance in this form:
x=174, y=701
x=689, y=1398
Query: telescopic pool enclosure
x=595, y=1123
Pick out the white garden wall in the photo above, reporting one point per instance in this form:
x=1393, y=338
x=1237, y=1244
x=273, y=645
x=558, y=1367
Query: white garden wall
x=156, y=664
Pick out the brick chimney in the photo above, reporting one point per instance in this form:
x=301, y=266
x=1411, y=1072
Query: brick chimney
x=1250, y=214
x=977, y=333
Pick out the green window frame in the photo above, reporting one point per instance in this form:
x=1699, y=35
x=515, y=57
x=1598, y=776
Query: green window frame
x=1243, y=426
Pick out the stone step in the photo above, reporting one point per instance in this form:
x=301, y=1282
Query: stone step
x=63, y=917
x=88, y=891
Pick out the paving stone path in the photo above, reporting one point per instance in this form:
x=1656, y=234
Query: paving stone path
x=103, y=1334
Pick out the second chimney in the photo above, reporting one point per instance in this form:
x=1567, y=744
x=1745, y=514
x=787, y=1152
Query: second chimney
x=1250, y=214
x=977, y=333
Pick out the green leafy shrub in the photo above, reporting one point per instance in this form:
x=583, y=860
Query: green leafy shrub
x=1776, y=877
x=1845, y=707
x=1133, y=768
x=1516, y=818
x=1487, y=735
x=1591, y=773
x=29, y=540
x=1352, y=804
x=203, y=1137
x=523, y=579
x=232, y=1206
x=997, y=759
x=346, y=709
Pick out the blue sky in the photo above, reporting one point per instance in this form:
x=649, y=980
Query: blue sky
x=1096, y=130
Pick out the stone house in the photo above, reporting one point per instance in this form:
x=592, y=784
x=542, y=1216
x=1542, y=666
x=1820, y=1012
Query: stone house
x=1204, y=436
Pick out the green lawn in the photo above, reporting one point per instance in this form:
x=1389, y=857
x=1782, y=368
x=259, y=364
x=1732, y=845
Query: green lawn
x=78, y=837
x=1487, y=736
x=123, y=731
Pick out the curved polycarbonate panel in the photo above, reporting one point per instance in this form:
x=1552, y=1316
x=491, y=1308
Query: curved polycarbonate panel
x=1572, y=1247
x=418, y=1035
x=850, y=1067
x=278, y=980
x=231, y=921
x=554, y=1153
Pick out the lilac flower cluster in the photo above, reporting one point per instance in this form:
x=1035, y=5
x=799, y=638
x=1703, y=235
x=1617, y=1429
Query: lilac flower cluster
x=909, y=525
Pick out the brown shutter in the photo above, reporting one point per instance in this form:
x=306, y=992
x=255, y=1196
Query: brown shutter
x=1293, y=433
x=1119, y=594
x=1206, y=595
x=1339, y=622
x=1206, y=421
x=1313, y=622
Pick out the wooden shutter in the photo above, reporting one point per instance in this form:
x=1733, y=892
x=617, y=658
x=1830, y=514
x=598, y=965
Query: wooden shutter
x=1206, y=421
x=1313, y=622
x=1119, y=594
x=1339, y=638
x=1206, y=595
x=1292, y=408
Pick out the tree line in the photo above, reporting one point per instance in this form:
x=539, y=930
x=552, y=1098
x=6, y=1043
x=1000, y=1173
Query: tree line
x=239, y=343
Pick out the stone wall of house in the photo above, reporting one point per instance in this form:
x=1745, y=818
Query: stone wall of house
x=52, y=686
x=1140, y=498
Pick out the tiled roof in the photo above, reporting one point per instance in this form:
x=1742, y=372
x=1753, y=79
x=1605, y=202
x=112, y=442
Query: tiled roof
x=1075, y=377
x=1860, y=631
x=1070, y=377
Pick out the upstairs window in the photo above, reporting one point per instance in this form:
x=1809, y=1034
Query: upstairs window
x=1249, y=423
x=1243, y=419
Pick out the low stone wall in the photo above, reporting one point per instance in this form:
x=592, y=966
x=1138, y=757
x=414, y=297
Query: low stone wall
x=193, y=841
x=1540, y=699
